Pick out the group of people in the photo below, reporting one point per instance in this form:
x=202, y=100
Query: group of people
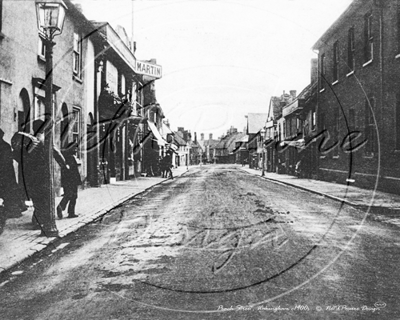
x=165, y=165
x=34, y=175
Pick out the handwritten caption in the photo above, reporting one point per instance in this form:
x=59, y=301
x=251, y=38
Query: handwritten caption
x=304, y=307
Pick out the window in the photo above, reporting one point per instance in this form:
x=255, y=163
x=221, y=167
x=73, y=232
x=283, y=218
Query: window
x=398, y=26
x=397, y=125
x=335, y=70
x=77, y=62
x=369, y=39
x=370, y=134
x=322, y=74
x=352, y=119
x=335, y=131
x=321, y=118
x=1, y=15
x=41, y=47
x=76, y=127
x=351, y=50
x=39, y=108
x=284, y=129
x=313, y=119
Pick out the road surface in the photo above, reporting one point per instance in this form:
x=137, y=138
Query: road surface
x=216, y=243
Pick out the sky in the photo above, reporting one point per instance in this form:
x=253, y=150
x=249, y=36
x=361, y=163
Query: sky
x=221, y=59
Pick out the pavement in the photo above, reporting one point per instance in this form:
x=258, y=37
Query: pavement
x=19, y=240
x=385, y=206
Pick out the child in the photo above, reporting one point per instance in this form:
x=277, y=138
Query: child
x=70, y=180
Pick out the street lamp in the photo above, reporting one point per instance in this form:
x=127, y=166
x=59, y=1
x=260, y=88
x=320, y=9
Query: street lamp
x=262, y=132
x=50, y=16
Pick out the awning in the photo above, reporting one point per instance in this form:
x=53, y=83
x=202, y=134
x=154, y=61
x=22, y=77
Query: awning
x=157, y=135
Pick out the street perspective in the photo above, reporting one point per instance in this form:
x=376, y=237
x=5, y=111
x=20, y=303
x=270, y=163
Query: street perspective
x=199, y=160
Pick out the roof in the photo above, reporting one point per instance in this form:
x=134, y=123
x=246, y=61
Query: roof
x=351, y=9
x=211, y=142
x=229, y=141
x=245, y=138
x=275, y=107
x=256, y=121
x=179, y=139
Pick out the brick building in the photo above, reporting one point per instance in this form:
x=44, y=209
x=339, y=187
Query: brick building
x=358, y=97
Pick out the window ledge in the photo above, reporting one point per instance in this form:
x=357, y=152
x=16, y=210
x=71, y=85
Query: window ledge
x=367, y=63
x=322, y=90
x=41, y=58
x=397, y=56
x=77, y=79
x=335, y=82
x=322, y=157
x=368, y=156
x=335, y=157
x=350, y=73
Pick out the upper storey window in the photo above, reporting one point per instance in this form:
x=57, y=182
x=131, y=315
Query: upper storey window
x=369, y=38
x=351, y=50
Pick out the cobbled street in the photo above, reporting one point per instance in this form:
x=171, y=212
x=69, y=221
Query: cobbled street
x=216, y=243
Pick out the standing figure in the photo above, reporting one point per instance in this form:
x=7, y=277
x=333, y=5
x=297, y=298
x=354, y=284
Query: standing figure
x=36, y=171
x=8, y=184
x=16, y=142
x=167, y=164
x=70, y=180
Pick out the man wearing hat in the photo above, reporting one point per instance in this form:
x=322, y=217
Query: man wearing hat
x=36, y=171
x=70, y=180
x=8, y=183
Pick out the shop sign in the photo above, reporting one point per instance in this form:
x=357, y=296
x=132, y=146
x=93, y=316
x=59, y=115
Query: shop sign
x=148, y=69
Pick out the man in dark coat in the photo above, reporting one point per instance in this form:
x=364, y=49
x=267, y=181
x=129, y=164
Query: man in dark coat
x=8, y=184
x=70, y=180
x=166, y=164
x=36, y=171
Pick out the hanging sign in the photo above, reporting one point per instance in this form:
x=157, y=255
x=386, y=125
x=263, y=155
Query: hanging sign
x=148, y=69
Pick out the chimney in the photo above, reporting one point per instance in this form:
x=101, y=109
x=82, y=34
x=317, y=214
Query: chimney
x=293, y=93
x=210, y=136
x=195, y=137
x=201, y=136
x=314, y=70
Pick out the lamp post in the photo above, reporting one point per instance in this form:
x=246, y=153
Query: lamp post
x=50, y=16
x=262, y=132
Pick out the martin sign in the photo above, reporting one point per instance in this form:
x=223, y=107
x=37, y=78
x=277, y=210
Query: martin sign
x=148, y=69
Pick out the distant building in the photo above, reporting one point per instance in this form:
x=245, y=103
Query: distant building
x=255, y=123
x=226, y=149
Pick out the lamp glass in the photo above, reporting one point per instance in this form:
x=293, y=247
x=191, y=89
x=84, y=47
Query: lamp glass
x=50, y=16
